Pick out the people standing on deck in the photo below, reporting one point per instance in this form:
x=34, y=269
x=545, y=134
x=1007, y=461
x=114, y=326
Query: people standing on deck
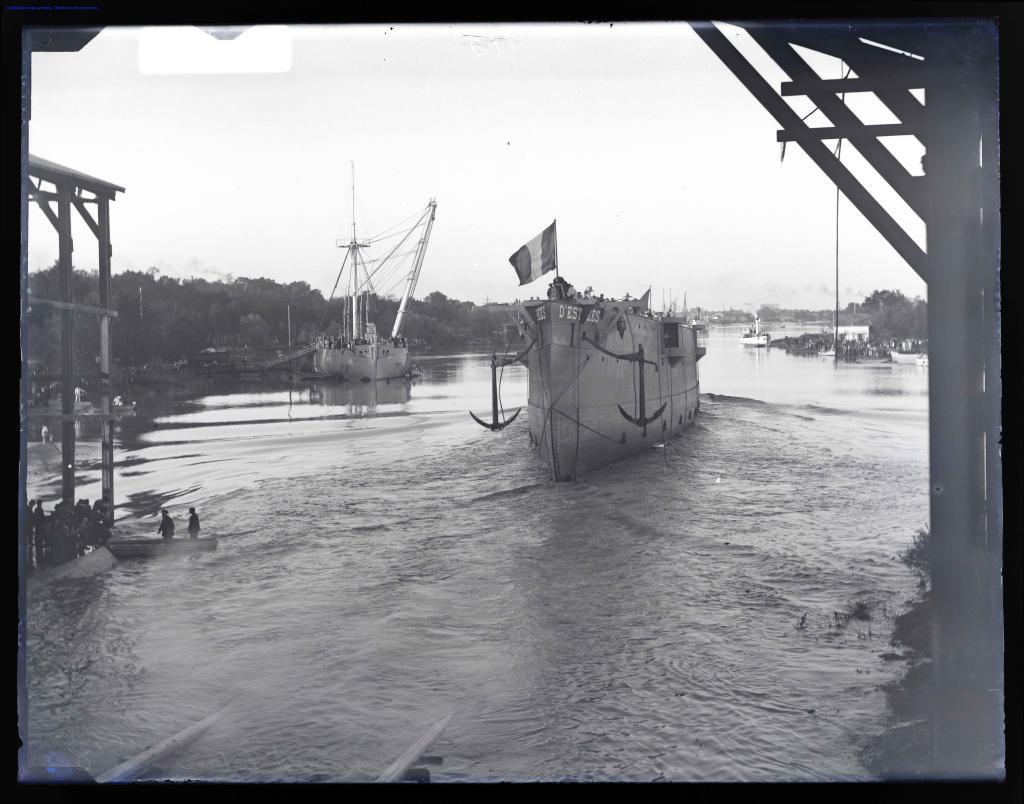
x=166, y=528
x=193, y=524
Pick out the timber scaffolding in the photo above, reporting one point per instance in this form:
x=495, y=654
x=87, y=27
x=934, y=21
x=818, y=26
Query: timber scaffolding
x=955, y=63
x=48, y=183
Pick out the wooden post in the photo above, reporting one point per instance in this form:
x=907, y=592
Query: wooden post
x=987, y=98
x=107, y=448
x=67, y=394
x=968, y=717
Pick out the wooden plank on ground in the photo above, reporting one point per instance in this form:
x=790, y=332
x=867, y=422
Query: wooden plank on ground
x=128, y=770
x=396, y=770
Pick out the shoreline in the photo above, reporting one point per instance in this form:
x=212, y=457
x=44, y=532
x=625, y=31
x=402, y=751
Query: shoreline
x=903, y=751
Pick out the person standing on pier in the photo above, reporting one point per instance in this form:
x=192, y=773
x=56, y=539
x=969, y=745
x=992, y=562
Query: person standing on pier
x=39, y=532
x=30, y=528
x=193, y=524
x=166, y=528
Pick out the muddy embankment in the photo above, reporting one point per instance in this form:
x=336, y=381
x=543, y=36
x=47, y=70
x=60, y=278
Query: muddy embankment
x=904, y=749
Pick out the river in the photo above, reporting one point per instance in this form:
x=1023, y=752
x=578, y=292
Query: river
x=384, y=561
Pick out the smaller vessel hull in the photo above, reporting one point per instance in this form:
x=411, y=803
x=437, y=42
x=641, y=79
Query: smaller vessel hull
x=372, y=361
x=154, y=548
x=909, y=358
x=755, y=336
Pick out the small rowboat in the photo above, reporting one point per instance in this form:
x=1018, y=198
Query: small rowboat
x=153, y=548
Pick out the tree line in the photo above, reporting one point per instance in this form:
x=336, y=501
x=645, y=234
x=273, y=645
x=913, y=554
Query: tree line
x=891, y=315
x=162, y=317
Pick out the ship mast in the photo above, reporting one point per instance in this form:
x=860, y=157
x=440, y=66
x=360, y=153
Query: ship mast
x=357, y=330
x=417, y=265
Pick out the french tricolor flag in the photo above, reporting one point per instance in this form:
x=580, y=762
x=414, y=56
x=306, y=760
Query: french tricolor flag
x=537, y=257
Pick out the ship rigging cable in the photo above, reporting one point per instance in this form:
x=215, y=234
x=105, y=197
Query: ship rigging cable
x=388, y=275
x=501, y=375
x=323, y=315
x=386, y=258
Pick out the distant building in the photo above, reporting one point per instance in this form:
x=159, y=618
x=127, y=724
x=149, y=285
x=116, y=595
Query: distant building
x=852, y=326
x=497, y=307
x=851, y=332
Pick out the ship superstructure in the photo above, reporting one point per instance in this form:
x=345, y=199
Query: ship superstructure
x=358, y=352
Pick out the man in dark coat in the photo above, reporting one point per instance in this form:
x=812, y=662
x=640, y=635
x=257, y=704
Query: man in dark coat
x=193, y=524
x=39, y=532
x=30, y=527
x=166, y=528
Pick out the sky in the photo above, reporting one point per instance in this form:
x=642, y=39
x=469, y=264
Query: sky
x=660, y=168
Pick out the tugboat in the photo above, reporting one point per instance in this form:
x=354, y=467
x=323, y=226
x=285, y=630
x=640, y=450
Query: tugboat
x=752, y=336
x=358, y=352
x=607, y=377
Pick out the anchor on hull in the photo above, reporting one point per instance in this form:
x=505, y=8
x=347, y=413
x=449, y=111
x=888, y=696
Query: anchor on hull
x=495, y=425
x=641, y=420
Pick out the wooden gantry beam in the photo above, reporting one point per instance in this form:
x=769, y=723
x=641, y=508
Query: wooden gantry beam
x=75, y=308
x=847, y=125
x=849, y=132
x=870, y=63
x=956, y=64
x=813, y=146
x=838, y=86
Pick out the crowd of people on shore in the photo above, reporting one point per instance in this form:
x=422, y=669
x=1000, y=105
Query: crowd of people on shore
x=850, y=348
x=65, y=533
x=44, y=392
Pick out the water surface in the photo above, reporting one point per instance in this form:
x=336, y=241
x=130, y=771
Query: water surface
x=384, y=560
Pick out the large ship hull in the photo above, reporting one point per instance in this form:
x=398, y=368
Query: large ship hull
x=372, y=361
x=591, y=399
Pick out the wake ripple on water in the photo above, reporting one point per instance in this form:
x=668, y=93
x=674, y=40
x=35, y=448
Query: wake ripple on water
x=640, y=624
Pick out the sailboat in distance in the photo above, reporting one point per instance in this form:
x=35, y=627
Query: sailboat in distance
x=357, y=351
